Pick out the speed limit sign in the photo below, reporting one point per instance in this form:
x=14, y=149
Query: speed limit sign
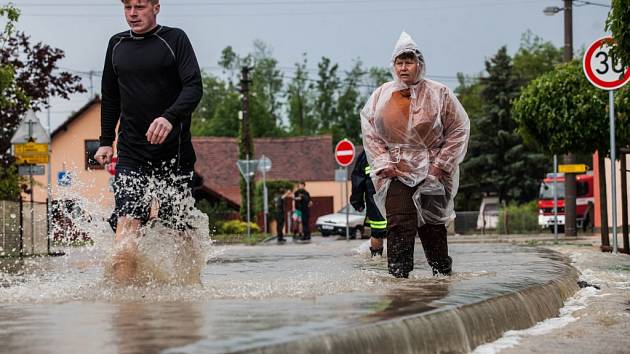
x=600, y=68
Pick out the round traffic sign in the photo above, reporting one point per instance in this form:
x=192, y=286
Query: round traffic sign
x=600, y=69
x=265, y=164
x=344, y=152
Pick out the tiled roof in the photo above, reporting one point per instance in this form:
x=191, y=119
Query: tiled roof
x=308, y=158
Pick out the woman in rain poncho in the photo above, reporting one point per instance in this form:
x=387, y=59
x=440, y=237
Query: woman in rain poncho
x=415, y=134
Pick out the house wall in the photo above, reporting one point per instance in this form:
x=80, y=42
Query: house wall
x=68, y=154
x=329, y=188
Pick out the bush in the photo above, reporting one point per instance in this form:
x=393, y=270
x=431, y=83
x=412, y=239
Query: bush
x=237, y=227
x=216, y=212
x=521, y=219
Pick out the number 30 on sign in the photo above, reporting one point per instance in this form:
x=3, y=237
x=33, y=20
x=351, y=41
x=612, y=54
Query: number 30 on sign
x=600, y=68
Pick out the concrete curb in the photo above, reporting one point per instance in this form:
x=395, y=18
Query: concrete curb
x=446, y=330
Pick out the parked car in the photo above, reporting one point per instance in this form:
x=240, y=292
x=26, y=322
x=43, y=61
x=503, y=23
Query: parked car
x=335, y=224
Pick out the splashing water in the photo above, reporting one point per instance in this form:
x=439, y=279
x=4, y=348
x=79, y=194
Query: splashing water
x=159, y=254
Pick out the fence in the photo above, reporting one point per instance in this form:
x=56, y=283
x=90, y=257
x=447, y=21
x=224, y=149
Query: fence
x=24, y=229
x=466, y=222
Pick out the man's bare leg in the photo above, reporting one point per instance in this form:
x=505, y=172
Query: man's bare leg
x=125, y=263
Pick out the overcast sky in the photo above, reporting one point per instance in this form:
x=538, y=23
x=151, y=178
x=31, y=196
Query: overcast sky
x=454, y=35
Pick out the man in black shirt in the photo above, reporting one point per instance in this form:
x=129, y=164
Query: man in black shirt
x=303, y=203
x=151, y=85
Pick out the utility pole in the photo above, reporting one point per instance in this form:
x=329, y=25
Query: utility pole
x=570, y=185
x=246, y=146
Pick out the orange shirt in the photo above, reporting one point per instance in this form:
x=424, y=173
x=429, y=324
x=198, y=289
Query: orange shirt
x=394, y=124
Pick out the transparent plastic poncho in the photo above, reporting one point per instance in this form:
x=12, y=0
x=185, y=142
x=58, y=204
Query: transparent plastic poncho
x=411, y=127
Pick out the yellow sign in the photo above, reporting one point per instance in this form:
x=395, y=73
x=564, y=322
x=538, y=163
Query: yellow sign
x=31, y=160
x=30, y=149
x=573, y=168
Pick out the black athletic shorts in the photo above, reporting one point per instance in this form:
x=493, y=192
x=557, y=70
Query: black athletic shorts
x=135, y=187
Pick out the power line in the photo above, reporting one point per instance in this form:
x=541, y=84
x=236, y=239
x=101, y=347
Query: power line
x=341, y=11
x=250, y=3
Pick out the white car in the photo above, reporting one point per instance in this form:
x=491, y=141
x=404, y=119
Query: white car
x=335, y=224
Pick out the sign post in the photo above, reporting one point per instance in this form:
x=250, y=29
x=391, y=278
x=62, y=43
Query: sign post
x=265, y=166
x=247, y=168
x=30, y=147
x=344, y=155
x=603, y=72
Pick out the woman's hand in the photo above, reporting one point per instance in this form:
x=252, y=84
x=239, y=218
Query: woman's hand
x=387, y=172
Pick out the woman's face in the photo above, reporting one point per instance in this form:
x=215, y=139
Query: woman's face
x=406, y=69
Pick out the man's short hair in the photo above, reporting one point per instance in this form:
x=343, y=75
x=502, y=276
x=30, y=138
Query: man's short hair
x=154, y=2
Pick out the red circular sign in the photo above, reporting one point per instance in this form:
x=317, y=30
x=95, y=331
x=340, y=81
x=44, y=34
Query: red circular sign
x=111, y=167
x=344, y=152
x=600, y=69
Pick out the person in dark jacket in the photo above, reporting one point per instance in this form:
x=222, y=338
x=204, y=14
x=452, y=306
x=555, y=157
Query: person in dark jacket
x=303, y=204
x=279, y=212
x=363, y=196
x=151, y=84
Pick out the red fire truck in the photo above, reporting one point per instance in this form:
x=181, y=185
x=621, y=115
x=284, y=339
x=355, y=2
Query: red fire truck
x=584, y=201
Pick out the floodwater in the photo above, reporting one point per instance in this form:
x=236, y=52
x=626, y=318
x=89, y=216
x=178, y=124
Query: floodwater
x=248, y=296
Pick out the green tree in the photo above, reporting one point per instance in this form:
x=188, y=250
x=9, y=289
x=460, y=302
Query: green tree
x=28, y=78
x=267, y=87
x=217, y=113
x=535, y=57
x=497, y=157
x=561, y=111
x=349, y=104
x=618, y=23
x=377, y=76
x=299, y=94
x=327, y=90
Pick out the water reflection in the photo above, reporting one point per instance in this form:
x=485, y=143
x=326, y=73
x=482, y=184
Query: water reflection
x=146, y=328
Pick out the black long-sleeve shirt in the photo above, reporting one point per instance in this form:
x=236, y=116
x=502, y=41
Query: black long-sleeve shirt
x=147, y=76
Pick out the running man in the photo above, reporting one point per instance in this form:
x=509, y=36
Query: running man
x=151, y=85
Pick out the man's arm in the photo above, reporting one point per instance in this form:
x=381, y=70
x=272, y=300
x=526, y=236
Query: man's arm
x=110, y=108
x=190, y=76
x=456, y=134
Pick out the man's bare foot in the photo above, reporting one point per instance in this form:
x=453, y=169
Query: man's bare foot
x=125, y=264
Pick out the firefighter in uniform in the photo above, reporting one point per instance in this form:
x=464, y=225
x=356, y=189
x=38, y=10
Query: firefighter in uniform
x=362, y=196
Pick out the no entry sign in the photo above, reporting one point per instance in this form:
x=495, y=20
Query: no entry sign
x=344, y=152
x=600, y=69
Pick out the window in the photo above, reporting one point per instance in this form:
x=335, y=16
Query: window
x=90, y=149
x=582, y=189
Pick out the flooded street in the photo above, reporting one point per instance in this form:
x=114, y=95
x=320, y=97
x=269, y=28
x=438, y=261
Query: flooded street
x=249, y=296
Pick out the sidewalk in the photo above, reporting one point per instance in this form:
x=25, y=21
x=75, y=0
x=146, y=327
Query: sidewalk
x=593, y=321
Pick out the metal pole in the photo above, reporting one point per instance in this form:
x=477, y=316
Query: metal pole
x=613, y=168
x=347, y=207
x=264, y=195
x=555, y=197
x=49, y=200
x=247, y=180
x=21, y=227
x=30, y=177
x=30, y=173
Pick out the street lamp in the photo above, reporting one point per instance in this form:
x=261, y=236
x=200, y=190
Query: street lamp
x=552, y=10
